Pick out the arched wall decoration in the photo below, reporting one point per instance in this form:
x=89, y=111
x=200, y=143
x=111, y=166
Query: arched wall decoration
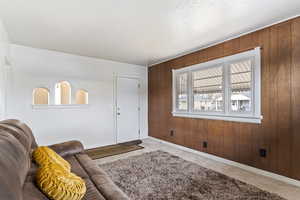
x=62, y=93
x=40, y=96
x=63, y=97
x=82, y=97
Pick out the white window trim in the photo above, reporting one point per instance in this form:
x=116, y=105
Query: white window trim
x=188, y=93
x=227, y=114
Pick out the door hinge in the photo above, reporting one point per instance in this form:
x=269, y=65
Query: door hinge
x=139, y=85
x=139, y=109
x=139, y=132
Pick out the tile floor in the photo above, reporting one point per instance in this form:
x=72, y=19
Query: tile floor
x=283, y=189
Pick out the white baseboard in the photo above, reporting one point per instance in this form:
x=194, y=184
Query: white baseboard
x=232, y=163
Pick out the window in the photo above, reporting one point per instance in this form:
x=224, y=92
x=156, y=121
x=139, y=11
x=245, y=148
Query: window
x=40, y=96
x=240, y=90
x=82, y=97
x=208, y=89
x=63, y=93
x=225, y=89
x=182, y=91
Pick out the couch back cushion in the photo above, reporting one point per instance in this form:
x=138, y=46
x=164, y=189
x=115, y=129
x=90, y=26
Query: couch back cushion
x=14, y=166
x=18, y=134
x=22, y=127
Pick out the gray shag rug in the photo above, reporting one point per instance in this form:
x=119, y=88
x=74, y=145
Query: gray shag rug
x=160, y=175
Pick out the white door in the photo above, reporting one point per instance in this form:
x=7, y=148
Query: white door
x=127, y=109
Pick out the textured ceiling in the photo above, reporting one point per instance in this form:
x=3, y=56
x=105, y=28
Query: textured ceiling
x=136, y=31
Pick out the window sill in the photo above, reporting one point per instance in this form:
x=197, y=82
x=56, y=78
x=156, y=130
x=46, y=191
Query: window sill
x=67, y=106
x=256, y=120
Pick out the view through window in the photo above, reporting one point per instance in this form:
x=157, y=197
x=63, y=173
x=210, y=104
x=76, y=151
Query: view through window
x=207, y=89
x=227, y=88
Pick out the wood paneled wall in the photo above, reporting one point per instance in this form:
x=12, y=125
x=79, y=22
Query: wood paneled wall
x=279, y=132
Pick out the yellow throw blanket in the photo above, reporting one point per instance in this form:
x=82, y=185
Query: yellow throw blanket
x=54, y=176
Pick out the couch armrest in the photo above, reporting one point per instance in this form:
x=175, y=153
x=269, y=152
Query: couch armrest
x=67, y=148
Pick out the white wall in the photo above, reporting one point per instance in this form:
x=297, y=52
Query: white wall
x=93, y=125
x=4, y=59
x=4, y=43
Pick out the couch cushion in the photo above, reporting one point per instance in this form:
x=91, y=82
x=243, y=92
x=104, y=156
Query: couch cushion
x=108, y=188
x=68, y=148
x=88, y=164
x=32, y=169
x=14, y=165
x=26, y=130
x=76, y=168
x=19, y=134
x=101, y=180
x=92, y=192
x=31, y=192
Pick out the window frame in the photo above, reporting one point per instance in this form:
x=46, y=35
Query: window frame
x=192, y=96
x=176, y=93
x=227, y=114
x=252, y=91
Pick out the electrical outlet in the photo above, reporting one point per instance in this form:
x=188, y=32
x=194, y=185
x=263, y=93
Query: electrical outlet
x=172, y=133
x=263, y=153
x=204, y=144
